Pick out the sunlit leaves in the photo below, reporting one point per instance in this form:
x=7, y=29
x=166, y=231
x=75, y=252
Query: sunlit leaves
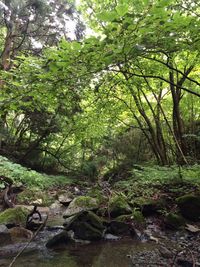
x=103, y=84
x=107, y=16
x=122, y=9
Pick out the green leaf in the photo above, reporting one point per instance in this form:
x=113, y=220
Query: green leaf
x=76, y=46
x=107, y=16
x=122, y=9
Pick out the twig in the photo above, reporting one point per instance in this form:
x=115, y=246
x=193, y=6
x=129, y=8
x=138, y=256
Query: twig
x=185, y=249
x=174, y=259
x=21, y=251
x=193, y=259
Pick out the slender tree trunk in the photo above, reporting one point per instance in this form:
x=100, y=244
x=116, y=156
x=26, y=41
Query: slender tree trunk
x=158, y=130
x=176, y=117
x=5, y=56
x=155, y=140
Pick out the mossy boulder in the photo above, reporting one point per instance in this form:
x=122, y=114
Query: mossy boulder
x=136, y=217
x=97, y=194
x=14, y=216
x=189, y=206
x=120, y=228
x=86, y=226
x=118, y=206
x=31, y=197
x=84, y=216
x=85, y=231
x=59, y=240
x=174, y=221
x=79, y=204
x=102, y=211
x=124, y=218
x=151, y=207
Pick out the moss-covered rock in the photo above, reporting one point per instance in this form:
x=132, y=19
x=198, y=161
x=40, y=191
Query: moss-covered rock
x=14, y=216
x=118, y=206
x=84, y=216
x=189, y=206
x=138, y=217
x=174, y=221
x=59, y=240
x=150, y=207
x=124, y=218
x=86, y=201
x=31, y=197
x=98, y=194
x=85, y=225
x=120, y=228
x=79, y=204
x=85, y=231
x=102, y=211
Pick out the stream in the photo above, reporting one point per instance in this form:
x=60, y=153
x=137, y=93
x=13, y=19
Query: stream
x=95, y=254
x=101, y=254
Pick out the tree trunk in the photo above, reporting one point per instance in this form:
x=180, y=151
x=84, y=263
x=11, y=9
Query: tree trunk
x=176, y=118
x=156, y=138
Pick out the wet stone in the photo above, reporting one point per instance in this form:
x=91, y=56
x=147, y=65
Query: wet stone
x=5, y=237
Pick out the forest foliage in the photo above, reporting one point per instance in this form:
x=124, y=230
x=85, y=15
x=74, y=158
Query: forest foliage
x=128, y=93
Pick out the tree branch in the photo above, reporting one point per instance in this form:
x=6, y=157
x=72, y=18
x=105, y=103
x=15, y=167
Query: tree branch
x=155, y=77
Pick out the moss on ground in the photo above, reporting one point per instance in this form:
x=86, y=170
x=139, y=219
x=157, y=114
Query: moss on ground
x=31, y=196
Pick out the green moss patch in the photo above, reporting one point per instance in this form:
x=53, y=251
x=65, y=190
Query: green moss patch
x=30, y=196
x=174, y=221
x=118, y=206
x=16, y=216
x=189, y=206
x=86, y=201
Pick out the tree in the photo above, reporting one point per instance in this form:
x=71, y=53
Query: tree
x=139, y=72
x=148, y=45
x=26, y=28
x=31, y=25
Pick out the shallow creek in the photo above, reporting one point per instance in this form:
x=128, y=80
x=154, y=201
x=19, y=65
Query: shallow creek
x=101, y=254
x=96, y=254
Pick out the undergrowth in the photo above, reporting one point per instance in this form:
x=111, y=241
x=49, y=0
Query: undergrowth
x=31, y=178
x=145, y=181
